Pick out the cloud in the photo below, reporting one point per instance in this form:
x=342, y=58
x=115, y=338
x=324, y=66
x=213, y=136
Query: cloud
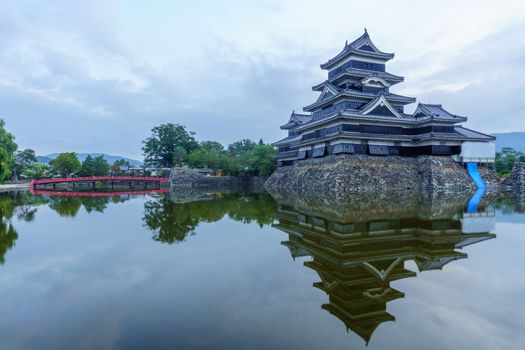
x=101, y=74
x=481, y=81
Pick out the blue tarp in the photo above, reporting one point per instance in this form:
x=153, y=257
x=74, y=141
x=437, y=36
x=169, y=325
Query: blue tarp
x=473, y=203
x=474, y=174
x=476, y=177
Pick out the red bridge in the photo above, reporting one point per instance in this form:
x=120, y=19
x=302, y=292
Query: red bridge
x=122, y=183
x=96, y=194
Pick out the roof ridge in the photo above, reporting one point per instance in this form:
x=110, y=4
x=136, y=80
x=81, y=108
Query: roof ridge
x=477, y=132
x=354, y=46
x=353, y=43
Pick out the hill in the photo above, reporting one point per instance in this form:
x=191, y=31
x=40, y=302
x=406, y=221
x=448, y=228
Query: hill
x=43, y=159
x=82, y=156
x=515, y=140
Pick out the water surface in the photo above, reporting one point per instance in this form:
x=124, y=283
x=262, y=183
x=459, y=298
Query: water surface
x=229, y=271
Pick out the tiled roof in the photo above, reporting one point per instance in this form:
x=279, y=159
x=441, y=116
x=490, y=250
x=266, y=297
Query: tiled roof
x=366, y=73
x=301, y=118
x=472, y=134
x=354, y=47
x=287, y=140
x=360, y=94
x=436, y=111
x=296, y=119
x=361, y=73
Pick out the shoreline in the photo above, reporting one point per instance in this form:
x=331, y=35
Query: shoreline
x=13, y=187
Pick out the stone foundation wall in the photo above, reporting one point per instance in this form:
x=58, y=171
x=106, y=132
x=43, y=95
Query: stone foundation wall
x=188, y=179
x=347, y=173
x=516, y=179
x=443, y=174
x=341, y=174
x=489, y=176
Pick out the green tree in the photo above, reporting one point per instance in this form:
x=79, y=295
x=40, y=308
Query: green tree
x=180, y=156
x=230, y=165
x=159, y=148
x=65, y=164
x=97, y=166
x=241, y=151
x=261, y=160
x=7, y=150
x=240, y=147
x=213, y=159
x=115, y=167
x=197, y=159
x=37, y=171
x=212, y=145
x=100, y=166
x=26, y=157
x=505, y=160
x=23, y=162
x=121, y=162
x=212, y=155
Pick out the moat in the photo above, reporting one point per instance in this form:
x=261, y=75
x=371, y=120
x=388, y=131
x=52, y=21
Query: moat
x=244, y=271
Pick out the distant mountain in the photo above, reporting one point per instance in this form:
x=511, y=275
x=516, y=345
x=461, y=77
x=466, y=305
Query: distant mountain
x=515, y=140
x=82, y=156
x=43, y=159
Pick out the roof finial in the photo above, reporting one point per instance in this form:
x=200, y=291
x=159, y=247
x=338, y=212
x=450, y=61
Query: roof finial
x=346, y=43
x=366, y=31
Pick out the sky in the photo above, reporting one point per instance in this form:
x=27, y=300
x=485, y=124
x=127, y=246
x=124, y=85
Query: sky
x=97, y=75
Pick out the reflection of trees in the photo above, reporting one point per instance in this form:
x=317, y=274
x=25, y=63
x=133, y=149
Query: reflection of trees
x=8, y=235
x=23, y=205
x=19, y=204
x=96, y=204
x=172, y=222
x=26, y=212
x=65, y=206
x=69, y=206
x=510, y=203
x=258, y=208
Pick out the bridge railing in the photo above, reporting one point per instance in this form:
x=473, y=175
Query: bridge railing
x=96, y=194
x=97, y=178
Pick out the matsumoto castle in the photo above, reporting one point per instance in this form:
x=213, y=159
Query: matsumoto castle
x=357, y=114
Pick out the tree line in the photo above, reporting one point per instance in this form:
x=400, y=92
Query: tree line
x=171, y=145
x=168, y=146
x=66, y=164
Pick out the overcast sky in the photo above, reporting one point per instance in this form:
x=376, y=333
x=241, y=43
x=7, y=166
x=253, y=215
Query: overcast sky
x=97, y=75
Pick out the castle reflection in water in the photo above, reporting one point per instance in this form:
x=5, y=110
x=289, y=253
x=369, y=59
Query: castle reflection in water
x=359, y=252
x=356, y=245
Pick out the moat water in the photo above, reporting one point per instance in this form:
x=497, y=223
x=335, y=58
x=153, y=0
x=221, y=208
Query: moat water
x=242, y=271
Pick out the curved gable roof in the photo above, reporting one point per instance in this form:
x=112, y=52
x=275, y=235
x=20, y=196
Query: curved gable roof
x=296, y=119
x=435, y=111
x=362, y=46
x=380, y=106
